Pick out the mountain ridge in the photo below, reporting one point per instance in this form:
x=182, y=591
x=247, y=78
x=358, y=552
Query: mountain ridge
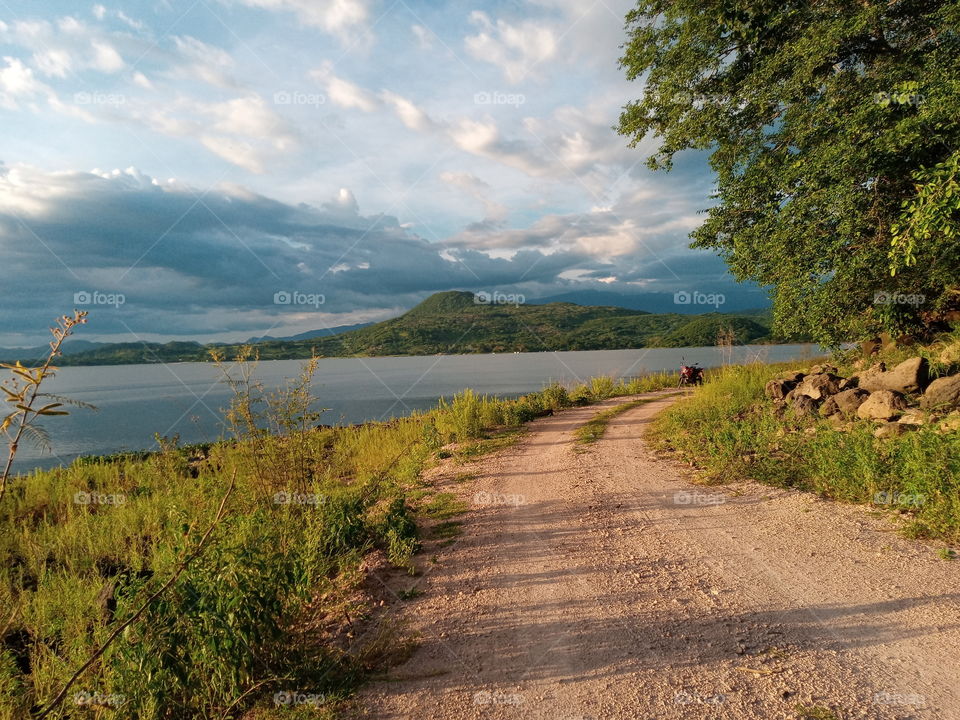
x=462, y=322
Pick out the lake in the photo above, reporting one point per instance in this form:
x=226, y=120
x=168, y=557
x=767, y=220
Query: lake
x=136, y=402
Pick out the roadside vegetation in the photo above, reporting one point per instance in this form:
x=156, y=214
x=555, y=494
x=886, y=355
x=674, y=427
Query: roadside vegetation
x=595, y=428
x=729, y=429
x=213, y=580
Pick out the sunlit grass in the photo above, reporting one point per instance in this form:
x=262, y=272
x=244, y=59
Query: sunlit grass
x=728, y=430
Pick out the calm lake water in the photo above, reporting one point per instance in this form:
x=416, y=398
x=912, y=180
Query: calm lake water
x=135, y=402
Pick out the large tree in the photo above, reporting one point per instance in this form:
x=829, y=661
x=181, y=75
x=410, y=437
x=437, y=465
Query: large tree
x=833, y=128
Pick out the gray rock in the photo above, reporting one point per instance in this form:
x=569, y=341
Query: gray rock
x=891, y=429
x=882, y=405
x=912, y=416
x=777, y=389
x=846, y=402
x=823, y=369
x=804, y=405
x=869, y=378
x=908, y=377
x=850, y=382
x=951, y=423
x=793, y=377
x=820, y=386
x=943, y=393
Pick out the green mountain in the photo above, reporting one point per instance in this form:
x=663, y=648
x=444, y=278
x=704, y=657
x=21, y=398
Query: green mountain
x=453, y=323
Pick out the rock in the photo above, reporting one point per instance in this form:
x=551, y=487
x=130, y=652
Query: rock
x=891, y=429
x=106, y=601
x=823, y=369
x=951, y=423
x=868, y=379
x=908, y=377
x=777, y=389
x=850, y=382
x=804, y=405
x=788, y=398
x=943, y=393
x=819, y=386
x=793, y=377
x=845, y=403
x=912, y=416
x=829, y=408
x=882, y=405
x=839, y=424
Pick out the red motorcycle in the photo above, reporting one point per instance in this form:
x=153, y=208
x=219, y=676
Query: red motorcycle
x=690, y=375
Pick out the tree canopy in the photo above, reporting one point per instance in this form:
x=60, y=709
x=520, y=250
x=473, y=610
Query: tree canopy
x=833, y=128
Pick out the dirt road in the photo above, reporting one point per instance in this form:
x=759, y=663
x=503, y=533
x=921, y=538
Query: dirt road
x=605, y=584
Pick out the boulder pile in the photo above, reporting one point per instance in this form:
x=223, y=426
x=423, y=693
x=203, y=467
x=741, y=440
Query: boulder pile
x=898, y=400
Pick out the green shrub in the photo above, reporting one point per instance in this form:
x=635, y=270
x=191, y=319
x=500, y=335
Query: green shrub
x=601, y=387
x=219, y=628
x=396, y=531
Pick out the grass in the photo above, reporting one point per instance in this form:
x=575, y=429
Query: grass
x=443, y=506
x=275, y=602
x=594, y=429
x=727, y=429
x=815, y=712
x=495, y=442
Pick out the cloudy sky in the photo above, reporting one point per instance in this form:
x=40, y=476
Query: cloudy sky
x=200, y=160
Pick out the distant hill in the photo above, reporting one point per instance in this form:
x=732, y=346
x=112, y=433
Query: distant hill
x=736, y=300
x=453, y=323
x=311, y=333
x=70, y=347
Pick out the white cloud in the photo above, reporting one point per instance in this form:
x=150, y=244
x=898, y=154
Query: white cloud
x=197, y=60
x=515, y=48
x=142, y=81
x=65, y=46
x=476, y=188
x=345, y=18
x=423, y=36
x=246, y=116
x=344, y=203
x=236, y=151
x=132, y=22
x=343, y=92
x=56, y=63
x=410, y=115
x=106, y=58
x=243, y=130
x=17, y=80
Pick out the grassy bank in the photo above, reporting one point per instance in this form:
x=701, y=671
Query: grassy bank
x=272, y=608
x=728, y=429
